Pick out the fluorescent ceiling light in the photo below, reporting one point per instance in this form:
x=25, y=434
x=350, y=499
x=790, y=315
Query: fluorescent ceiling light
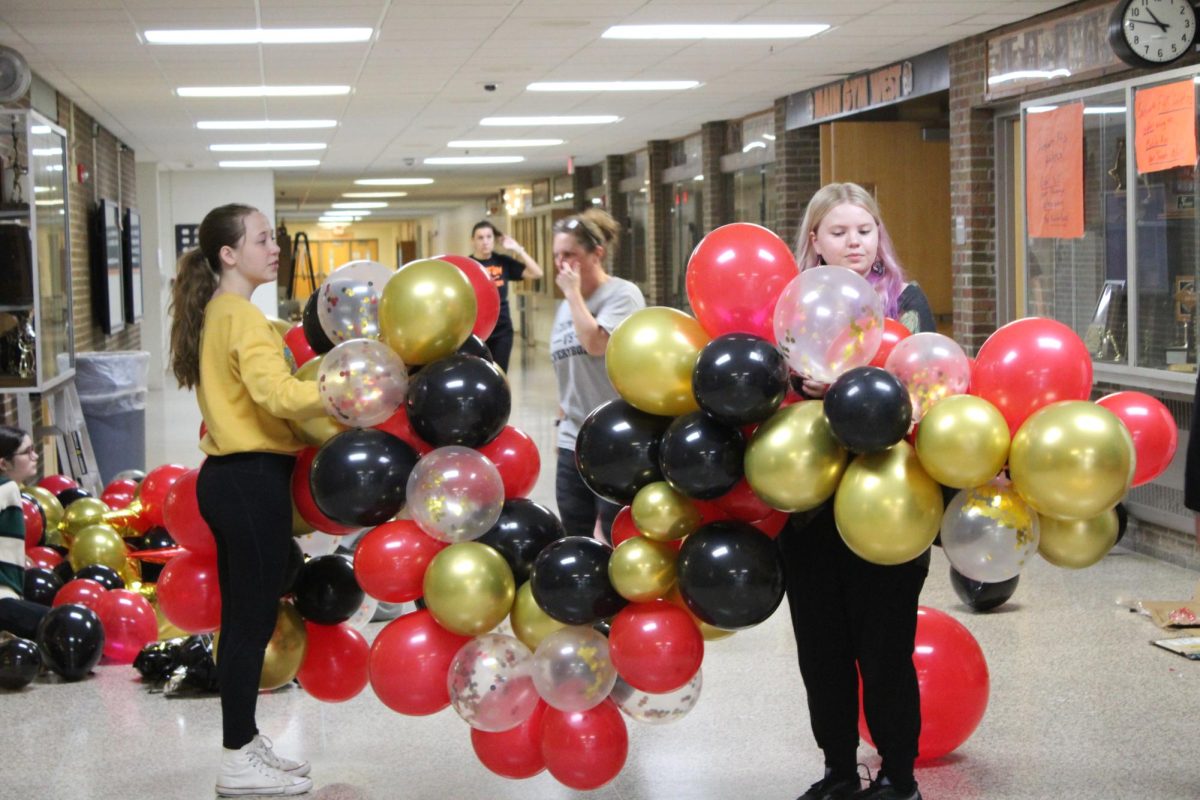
x=40, y=129
x=374, y=194
x=57, y=202
x=46, y=151
x=393, y=181
x=611, y=86
x=345, y=214
x=735, y=31
x=264, y=124
x=756, y=144
x=368, y=204
x=595, y=119
x=453, y=160
x=270, y=163
x=1104, y=110
x=468, y=143
x=261, y=91
x=1028, y=75
x=1039, y=109
x=263, y=147
x=259, y=36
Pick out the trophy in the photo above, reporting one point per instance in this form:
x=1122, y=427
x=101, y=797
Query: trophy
x=1185, y=310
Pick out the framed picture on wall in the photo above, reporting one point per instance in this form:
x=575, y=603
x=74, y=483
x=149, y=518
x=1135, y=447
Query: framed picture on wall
x=492, y=205
x=132, y=267
x=541, y=192
x=108, y=284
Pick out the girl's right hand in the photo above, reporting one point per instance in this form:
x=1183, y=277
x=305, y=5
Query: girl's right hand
x=814, y=389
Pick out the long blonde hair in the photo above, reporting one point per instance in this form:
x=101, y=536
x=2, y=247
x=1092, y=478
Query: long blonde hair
x=196, y=277
x=886, y=274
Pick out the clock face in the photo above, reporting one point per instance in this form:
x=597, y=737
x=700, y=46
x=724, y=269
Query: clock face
x=1159, y=31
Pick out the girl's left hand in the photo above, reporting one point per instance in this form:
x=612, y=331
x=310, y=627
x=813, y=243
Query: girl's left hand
x=510, y=244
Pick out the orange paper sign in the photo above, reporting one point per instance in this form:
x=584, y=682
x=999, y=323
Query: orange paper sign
x=1165, y=126
x=1054, y=172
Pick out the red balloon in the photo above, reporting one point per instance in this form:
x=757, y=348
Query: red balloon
x=302, y=497
x=734, y=279
x=35, y=521
x=129, y=624
x=655, y=646
x=181, y=517
x=623, y=527
x=585, y=749
x=45, y=557
x=1155, y=434
x=516, y=457
x=56, y=483
x=893, y=332
x=153, y=492
x=1028, y=364
x=772, y=524
x=188, y=593
x=410, y=661
x=399, y=426
x=487, y=296
x=298, y=344
x=516, y=752
x=335, y=663
x=742, y=503
x=81, y=592
x=119, y=493
x=390, y=560
x=203, y=429
x=953, y=678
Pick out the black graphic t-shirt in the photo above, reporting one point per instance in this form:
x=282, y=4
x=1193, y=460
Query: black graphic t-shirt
x=503, y=269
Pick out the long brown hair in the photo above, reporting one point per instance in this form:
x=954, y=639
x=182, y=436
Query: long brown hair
x=196, y=278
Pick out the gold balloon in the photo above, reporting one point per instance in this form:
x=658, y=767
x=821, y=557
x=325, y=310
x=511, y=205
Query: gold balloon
x=529, y=623
x=98, y=544
x=84, y=512
x=793, y=461
x=642, y=569
x=427, y=310
x=469, y=588
x=711, y=633
x=1078, y=543
x=314, y=431
x=50, y=507
x=1072, y=460
x=131, y=572
x=887, y=508
x=663, y=514
x=285, y=650
x=963, y=441
x=281, y=325
x=650, y=358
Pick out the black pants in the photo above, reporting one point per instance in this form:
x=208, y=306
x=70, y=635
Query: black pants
x=21, y=617
x=579, y=506
x=848, y=613
x=501, y=344
x=246, y=500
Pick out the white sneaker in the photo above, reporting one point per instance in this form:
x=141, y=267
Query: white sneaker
x=245, y=772
x=264, y=747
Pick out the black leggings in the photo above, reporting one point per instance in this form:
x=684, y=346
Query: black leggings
x=246, y=499
x=501, y=345
x=579, y=506
x=848, y=613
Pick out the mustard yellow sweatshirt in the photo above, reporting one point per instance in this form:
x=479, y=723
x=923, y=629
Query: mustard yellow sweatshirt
x=246, y=390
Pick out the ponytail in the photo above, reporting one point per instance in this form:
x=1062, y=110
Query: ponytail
x=195, y=282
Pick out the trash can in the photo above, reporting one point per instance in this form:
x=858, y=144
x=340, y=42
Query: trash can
x=112, y=392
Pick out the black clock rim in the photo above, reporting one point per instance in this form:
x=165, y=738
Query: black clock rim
x=1122, y=48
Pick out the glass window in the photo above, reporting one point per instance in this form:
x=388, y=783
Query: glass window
x=754, y=195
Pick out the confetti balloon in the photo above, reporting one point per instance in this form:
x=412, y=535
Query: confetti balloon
x=490, y=685
x=989, y=532
x=572, y=669
x=362, y=382
x=348, y=310
x=658, y=709
x=931, y=366
x=455, y=494
x=828, y=320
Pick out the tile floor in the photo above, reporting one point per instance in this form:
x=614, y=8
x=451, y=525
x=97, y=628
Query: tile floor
x=1081, y=705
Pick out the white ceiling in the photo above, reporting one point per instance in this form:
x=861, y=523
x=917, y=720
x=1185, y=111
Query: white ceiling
x=418, y=83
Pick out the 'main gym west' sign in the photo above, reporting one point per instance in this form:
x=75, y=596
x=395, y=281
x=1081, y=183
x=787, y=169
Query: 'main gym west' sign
x=914, y=77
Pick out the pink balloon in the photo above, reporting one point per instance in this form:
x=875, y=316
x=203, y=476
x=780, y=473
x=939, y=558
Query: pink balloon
x=129, y=624
x=1155, y=434
x=734, y=278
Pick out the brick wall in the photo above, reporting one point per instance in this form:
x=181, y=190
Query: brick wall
x=658, y=227
x=797, y=172
x=718, y=186
x=614, y=170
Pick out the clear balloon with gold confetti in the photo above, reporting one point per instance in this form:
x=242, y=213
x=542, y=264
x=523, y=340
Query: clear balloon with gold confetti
x=932, y=367
x=989, y=532
x=828, y=320
x=455, y=494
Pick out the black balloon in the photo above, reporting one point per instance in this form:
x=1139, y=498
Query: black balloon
x=41, y=585
x=459, y=399
x=360, y=477
x=71, y=494
x=1122, y=521
x=523, y=530
x=730, y=574
x=313, y=332
x=71, y=640
x=155, y=539
x=740, y=379
x=194, y=660
x=19, y=663
x=981, y=596
x=474, y=346
x=617, y=450
x=155, y=660
x=64, y=570
x=570, y=581
x=326, y=591
x=868, y=409
x=701, y=456
x=107, y=577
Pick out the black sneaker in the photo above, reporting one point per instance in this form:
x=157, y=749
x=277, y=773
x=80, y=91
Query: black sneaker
x=885, y=791
x=833, y=787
